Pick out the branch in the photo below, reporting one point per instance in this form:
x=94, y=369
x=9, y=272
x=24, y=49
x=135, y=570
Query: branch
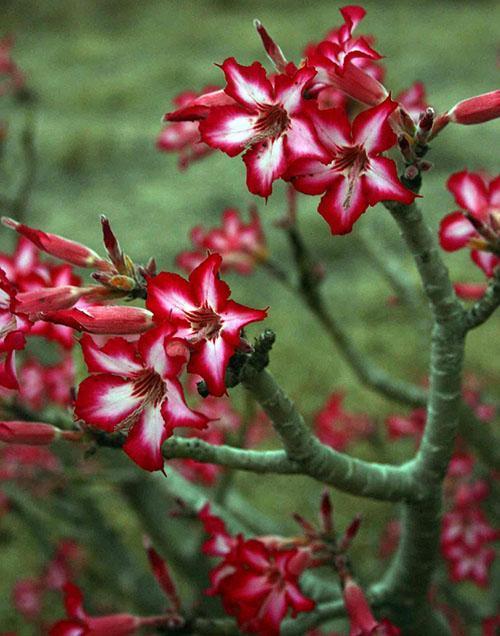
x=377, y=481
x=484, y=308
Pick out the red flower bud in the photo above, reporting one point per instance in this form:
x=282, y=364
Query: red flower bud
x=65, y=249
x=34, y=433
x=54, y=298
x=476, y=110
x=103, y=319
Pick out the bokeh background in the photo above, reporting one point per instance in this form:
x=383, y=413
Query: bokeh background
x=105, y=71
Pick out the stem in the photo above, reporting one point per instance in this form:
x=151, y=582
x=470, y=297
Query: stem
x=484, y=308
x=377, y=481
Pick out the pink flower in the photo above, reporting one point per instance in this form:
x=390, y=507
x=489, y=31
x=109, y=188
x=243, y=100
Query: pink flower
x=477, y=224
x=336, y=427
x=241, y=246
x=469, y=564
x=351, y=171
x=27, y=596
x=339, y=60
x=134, y=387
x=410, y=426
x=269, y=121
x=184, y=136
x=204, y=316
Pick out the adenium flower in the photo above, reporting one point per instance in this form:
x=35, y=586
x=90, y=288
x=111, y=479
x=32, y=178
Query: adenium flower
x=351, y=171
x=337, y=60
x=12, y=330
x=241, y=245
x=337, y=427
x=134, y=387
x=269, y=120
x=477, y=224
x=469, y=564
x=204, y=316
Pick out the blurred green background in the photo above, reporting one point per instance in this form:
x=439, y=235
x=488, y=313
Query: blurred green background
x=105, y=71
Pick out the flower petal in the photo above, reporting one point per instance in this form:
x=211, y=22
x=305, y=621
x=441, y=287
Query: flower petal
x=455, y=231
x=265, y=162
x=301, y=140
x=175, y=410
x=248, y=85
x=169, y=295
x=210, y=361
x=117, y=356
x=105, y=400
x=372, y=130
x=341, y=207
x=207, y=288
x=333, y=128
x=470, y=192
x=144, y=440
x=152, y=349
x=235, y=317
x=311, y=176
x=380, y=183
x=487, y=261
x=228, y=128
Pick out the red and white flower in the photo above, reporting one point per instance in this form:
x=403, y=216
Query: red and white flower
x=477, y=224
x=241, y=245
x=351, y=171
x=204, y=316
x=134, y=387
x=257, y=580
x=269, y=120
x=12, y=330
x=339, y=60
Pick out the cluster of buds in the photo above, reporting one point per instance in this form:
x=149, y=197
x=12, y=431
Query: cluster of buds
x=118, y=276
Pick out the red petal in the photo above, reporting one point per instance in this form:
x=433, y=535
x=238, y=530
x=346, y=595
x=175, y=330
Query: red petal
x=311, y=176
x=210, y=361
x=289, y=89
x=372, y=130
x=152, y=348
x=301, y=140
x=333, y=129
x=117, y=356
x=470, y=192
x=169, y=295
x=487, y=261
x=207, y=288
x=380, y=183
x=341, y=209
x=175, y=410
x=144, y=441
x=265, y=163
x=248, y=85
x=455, y=231
x=105, y=400
x=235, y=317
x=229, y=128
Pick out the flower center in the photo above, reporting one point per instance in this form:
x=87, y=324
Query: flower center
x=149, y=386
x=352, y=161
x=272, y=122
x=205, y=323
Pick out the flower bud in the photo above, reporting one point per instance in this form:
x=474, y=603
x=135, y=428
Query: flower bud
x=34, y=433
x=65, y=249
x=51, y=298
x=476, y=110
x=103, y=319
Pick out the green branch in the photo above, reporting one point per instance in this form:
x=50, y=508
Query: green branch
x=484, y=308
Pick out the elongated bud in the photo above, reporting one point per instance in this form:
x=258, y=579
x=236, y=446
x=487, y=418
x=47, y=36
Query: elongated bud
x=470, y=291
x=53, y=298
x=476, y=110
x=350, y=533
x=162, y=574
x=103, y=319
x=274, y=52
x=65, y=249
x=112, y=245
x=424, y=126
x=34, y=433
x=405, y=148
x=199, y=107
